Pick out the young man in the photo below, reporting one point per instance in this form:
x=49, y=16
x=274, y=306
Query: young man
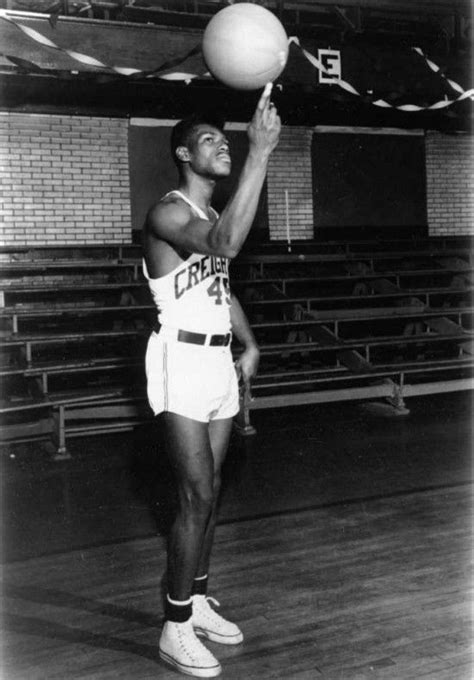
x=192, y=381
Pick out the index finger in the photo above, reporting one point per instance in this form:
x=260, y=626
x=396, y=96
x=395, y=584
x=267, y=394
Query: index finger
x=264, y=99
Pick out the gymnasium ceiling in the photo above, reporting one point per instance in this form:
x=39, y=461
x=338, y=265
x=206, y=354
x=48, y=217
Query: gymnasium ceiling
x=447, y=21
x=119, y=29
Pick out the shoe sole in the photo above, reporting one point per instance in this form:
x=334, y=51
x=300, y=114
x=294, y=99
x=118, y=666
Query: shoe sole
x=221, y=639
x=197, y=672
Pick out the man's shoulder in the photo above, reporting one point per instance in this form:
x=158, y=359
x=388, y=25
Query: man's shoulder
x=171, y=198
x=170, y=201
x=169, y=207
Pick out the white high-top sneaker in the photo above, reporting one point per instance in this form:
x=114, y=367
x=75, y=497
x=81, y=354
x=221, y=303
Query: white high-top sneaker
x=180, y=647
x=208, y=623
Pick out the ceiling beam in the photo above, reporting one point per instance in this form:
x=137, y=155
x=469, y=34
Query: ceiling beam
x=408, y=6
x=353, y=23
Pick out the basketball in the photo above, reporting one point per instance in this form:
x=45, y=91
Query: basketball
x=245, y=46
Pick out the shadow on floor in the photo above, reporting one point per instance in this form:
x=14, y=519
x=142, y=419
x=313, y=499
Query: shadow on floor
x=118, y=487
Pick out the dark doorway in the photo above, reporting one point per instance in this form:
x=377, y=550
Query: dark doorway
x=367, y=185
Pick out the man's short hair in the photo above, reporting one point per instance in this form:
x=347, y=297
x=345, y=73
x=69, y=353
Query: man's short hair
x=183, y=130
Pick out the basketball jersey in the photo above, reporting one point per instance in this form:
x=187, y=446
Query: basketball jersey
x=195, y=296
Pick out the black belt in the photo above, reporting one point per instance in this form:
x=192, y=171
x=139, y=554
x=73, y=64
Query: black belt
x=203, y=339
x=200, y=338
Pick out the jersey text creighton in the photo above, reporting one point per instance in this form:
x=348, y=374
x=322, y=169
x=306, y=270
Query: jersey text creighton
x=195, y=296
x=205, y=267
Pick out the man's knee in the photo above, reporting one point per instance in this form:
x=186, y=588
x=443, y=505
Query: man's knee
x=199, y=500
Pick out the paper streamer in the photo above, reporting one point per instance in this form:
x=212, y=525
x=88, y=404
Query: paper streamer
x=455, y=86
x=86, y=60
x=464, y=94
x=188, y=77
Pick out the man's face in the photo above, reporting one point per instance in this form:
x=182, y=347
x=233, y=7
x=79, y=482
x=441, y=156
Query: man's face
x=209, y=152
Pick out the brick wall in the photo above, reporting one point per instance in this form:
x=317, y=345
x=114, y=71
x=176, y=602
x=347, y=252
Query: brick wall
x=449, y=184
x=64, y=178
x=290, y=171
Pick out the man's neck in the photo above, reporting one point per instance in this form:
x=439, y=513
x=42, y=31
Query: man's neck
x=198, y=189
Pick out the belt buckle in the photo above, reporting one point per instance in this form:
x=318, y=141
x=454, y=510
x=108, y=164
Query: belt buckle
x=219, y=340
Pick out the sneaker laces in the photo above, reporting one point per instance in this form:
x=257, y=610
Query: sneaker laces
x=206, y=610
x=208, y=599
x=191, y=644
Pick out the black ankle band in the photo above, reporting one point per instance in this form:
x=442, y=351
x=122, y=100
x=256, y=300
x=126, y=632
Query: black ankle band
x=179, y=613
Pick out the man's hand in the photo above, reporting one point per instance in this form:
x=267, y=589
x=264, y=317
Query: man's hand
x=247, y=365
x=264, y=128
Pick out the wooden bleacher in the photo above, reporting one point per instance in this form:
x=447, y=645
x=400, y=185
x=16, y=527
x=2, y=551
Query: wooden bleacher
x=335, y=321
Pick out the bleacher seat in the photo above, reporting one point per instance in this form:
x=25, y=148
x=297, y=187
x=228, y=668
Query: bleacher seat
x=354, y=320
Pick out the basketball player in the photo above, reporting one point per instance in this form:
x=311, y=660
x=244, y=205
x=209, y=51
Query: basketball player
x=191, y=378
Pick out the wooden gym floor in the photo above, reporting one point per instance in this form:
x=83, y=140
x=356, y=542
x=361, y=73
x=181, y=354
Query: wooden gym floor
x=343, y=551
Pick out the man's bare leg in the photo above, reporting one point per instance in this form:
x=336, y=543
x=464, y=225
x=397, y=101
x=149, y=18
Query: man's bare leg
x=219, y=435
x=190, y=453
x=206, y=621
x=191, y=456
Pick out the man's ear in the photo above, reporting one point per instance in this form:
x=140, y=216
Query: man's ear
x=182, y=154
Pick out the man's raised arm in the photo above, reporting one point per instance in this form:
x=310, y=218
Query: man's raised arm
x=174, y=222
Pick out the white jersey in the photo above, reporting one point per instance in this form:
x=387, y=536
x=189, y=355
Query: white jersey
x=195, y=296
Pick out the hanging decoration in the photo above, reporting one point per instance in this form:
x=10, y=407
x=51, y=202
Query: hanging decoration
x=86, y=60
x=464, y=94
x=183, y=76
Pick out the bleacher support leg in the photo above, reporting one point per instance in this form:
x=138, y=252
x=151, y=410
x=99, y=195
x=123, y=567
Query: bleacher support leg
x=390, y=406
x=60, y=435
x=242, y=420
x=396, y=400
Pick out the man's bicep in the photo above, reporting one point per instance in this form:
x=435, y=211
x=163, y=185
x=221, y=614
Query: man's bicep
x=176, y=225
x=165, y=219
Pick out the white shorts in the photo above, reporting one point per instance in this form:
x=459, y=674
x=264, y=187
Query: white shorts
x=195, y=381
